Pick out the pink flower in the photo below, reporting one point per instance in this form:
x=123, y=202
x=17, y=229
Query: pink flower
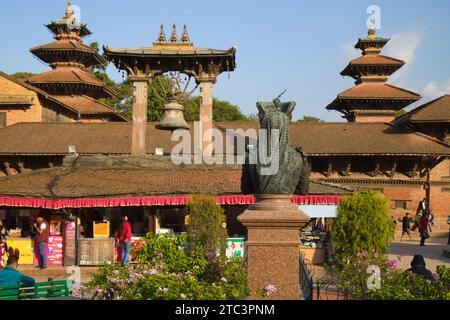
x=76, y=293
x=393, y=264
x=269, y=289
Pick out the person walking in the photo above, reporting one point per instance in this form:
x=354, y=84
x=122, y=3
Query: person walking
x=42, y=229
x=406, y=224
x=423, y=229
x=416, y=221
x=123, y=238
x=418, y=267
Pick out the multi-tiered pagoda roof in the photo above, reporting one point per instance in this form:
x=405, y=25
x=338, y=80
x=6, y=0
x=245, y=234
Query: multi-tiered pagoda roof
x=70, y=80
x=371, y=97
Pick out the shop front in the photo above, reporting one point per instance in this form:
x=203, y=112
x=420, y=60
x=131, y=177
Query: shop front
x=315, y=241
x=20, y=234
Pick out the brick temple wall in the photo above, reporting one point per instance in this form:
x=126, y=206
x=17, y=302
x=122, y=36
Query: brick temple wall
x=15, y=114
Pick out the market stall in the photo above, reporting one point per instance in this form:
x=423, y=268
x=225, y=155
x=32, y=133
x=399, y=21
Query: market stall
x=314, y=236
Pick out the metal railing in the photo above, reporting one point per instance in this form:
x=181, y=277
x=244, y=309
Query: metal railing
x=306, y=279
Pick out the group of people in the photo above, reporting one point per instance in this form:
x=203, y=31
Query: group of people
x=423, y=222
x=41, y=229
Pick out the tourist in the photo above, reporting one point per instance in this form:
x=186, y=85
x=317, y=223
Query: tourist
x=42, y=230
x=416, y=221
x=123, y=238
x=430, y=221
x=406, y=223
x=418, y=267
x=11, y=276
x=423, y=229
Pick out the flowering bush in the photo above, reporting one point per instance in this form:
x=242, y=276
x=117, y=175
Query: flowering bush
x=168, y=270
x=350, y=276
x=400, y=285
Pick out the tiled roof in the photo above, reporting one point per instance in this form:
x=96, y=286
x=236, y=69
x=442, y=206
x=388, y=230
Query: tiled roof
x=65, y=75
x=437, y=110
x=369, y=59
x=378, y=91
x=87, y=106
x=79, y=183
x=64, y=46
x=317, y=139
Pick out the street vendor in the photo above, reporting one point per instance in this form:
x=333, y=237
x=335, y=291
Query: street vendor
x=42, y=229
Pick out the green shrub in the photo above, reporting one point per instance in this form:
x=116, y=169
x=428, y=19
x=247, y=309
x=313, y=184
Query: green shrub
x=351, y=275
x=363, y=224
x=206, y=224
x=168, y=270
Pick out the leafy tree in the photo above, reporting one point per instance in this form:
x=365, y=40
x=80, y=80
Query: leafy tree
x=22, y=75
x=363, y=224
x=206, y=224
x=225, y=111
x=310, y=119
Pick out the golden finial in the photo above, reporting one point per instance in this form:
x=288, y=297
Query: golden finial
x=162, y=35
x=185, y=36
x=69, y=11
x=174, y=37
x=371, y=34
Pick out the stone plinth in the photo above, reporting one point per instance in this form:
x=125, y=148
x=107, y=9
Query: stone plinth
x=273, y=224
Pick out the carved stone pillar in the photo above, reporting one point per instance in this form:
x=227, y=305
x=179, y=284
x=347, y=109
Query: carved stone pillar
x=206, y=113
x=273, y=224
x=140, y=84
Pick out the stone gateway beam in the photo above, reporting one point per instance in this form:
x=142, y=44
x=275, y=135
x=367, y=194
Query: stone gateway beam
x=142, y=64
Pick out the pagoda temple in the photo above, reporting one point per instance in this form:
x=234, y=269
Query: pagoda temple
x=372, y=99
x=69, y=81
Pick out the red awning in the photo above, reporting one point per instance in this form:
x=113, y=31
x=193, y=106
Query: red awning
x=149, y=201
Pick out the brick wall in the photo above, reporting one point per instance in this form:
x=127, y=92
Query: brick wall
x=16, y=114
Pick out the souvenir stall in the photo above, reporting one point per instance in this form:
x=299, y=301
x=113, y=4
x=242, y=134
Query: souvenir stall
x=314, y=236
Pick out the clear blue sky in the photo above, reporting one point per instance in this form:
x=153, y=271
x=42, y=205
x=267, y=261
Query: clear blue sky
x=298, y=45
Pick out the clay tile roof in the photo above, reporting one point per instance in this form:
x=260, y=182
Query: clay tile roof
x=65, y=75
x=316, y=139
x=373, y=60
x=378, y=91
x=437, y=110
x=87, y=105
x=78, y=183
x=66, y=45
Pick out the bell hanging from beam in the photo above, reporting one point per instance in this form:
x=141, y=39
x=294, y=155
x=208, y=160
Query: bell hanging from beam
x=172, y=118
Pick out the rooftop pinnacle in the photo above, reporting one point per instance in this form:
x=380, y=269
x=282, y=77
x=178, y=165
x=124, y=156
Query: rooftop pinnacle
x=69, y=11
x=174, y=37
x=371, y=34
x=185, y=36
x=162, y=35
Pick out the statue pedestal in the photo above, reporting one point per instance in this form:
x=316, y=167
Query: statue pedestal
x=273, y=224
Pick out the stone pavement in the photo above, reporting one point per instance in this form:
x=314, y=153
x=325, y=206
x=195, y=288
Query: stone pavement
x=432, y=252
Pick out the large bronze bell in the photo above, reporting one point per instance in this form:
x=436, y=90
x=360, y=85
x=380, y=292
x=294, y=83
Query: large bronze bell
x=173, y=117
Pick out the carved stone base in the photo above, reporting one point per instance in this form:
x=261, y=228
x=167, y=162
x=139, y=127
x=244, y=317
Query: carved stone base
x=273, y=224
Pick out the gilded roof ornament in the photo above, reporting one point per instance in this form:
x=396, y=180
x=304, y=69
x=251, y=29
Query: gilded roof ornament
x=371, y=34
x=174, y=37
x=69, y=11
x=162, y=35
x=185, y=36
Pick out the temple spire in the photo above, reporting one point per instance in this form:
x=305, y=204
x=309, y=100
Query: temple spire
x=185, y=36
x=69, y=11
x=174, y=37
x=162, y=35
x=371, y=34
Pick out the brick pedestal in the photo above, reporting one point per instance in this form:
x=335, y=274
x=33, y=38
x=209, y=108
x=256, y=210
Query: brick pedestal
x=273, y=224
